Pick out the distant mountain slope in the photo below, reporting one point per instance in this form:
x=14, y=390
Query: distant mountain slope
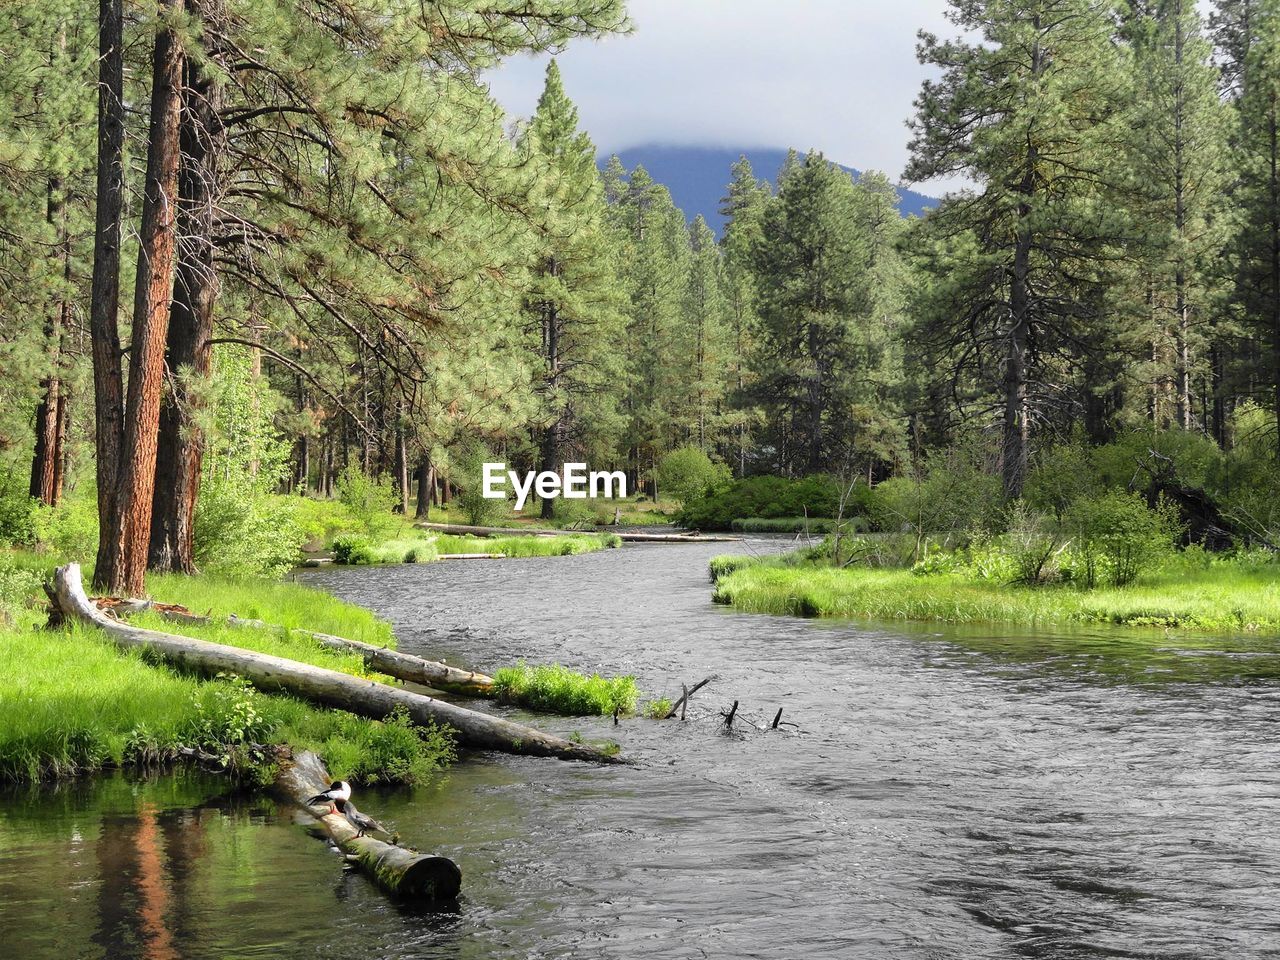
x=697, y=176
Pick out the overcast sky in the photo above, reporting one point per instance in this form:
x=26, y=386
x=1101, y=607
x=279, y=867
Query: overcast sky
x=837, y=75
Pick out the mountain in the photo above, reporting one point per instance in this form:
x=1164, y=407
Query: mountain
x=698, y=176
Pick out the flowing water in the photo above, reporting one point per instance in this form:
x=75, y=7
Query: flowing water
x=943, y=793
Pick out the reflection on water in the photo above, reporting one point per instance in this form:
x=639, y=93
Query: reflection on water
x=959, y=793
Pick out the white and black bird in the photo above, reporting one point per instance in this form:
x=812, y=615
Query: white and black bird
x=338, y=790
x=363, y=823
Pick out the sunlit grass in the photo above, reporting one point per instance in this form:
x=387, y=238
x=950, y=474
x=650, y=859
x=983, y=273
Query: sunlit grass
x=427, y=547
x=71, y=702
x=1224, y=598
x=556, y=689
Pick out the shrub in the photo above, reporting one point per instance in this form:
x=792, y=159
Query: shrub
x=321, y=520
x=769, y=497
x=240, y=532
x=688, y=472
x=1117, y=537
x=1032, y=544
x=1059, y=477
x=351, y=549
x=17, y=510
x=71, y=529
x=368, y=501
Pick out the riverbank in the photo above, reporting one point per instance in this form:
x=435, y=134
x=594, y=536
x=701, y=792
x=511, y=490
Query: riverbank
x=424, y=547
x=1224, y=597
x=71, y=703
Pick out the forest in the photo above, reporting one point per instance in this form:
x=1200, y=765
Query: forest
x=353, y=276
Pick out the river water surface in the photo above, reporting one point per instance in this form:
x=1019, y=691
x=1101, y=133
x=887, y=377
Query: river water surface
x=943, y=793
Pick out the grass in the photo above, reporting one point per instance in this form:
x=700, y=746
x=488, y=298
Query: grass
x=1222, y=597
x=72, y=703
x=556, y=689
x=427, y=547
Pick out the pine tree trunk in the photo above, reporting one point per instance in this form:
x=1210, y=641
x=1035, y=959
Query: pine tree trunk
x=130, y=533
x=50, y=412
x=426, y=478
x=402, y=473
x=104, y=300
x=549, y=452
x=188, y=354
x=1015, y=448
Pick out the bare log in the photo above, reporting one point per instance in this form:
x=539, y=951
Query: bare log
x=402, y=666
x=398, y=870
x=328, y=688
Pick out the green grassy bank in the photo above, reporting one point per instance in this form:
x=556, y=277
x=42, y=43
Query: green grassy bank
x=1223, y=597
x=72, y=703
x=424, y=547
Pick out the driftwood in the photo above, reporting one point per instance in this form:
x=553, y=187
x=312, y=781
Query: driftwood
x=402, y=666
x=728, y=717
x=461, y=529
x=471, y=556
x=679, y=705
x=398, y=870
x=328, y=688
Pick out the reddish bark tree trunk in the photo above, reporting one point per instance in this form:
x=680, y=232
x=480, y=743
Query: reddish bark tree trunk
x=104, y=306
x=188, y=354
x=130, y=533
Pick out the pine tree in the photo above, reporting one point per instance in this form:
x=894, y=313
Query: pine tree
x=1028, y=113
x=1257, y=190
x=655, y=253
x=709, y=337
x=573, y=301
x=1178, y=166
x=743, y=209
x=813, y=293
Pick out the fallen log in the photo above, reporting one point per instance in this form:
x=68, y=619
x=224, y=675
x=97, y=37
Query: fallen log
x=471, y=556
x=402, y=666
x=328, y=688
x=393, y=663
x=398, y=870
x=466, y=530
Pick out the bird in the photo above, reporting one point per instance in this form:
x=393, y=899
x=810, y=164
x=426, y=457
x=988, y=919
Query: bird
x=338, y=790
x=363, y=823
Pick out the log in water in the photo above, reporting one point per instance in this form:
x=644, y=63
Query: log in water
x=398, y=870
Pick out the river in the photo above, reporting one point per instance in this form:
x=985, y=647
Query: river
x=943, y=793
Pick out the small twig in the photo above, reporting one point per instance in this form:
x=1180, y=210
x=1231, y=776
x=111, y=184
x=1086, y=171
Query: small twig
x=777, y=717
x=684, y=700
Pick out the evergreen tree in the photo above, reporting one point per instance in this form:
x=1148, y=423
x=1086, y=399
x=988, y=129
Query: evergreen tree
x=573, y=301
x=743, y=209
x=708, y=362
x=813, y=294
x=1178, y=165
x=1027, y=111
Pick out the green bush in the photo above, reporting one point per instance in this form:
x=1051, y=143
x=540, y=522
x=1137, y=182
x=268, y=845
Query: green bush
x=321, y=520
x=368, y=501
x=71, y=529
x=351, y=549
x=688, y=473
x=240, y=532
x=769, y=497
x=17, y=510
x=1117, y=538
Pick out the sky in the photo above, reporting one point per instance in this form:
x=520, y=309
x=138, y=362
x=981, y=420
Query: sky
x=836, y=75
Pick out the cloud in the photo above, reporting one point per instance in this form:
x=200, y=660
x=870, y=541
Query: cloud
x=836, y=75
